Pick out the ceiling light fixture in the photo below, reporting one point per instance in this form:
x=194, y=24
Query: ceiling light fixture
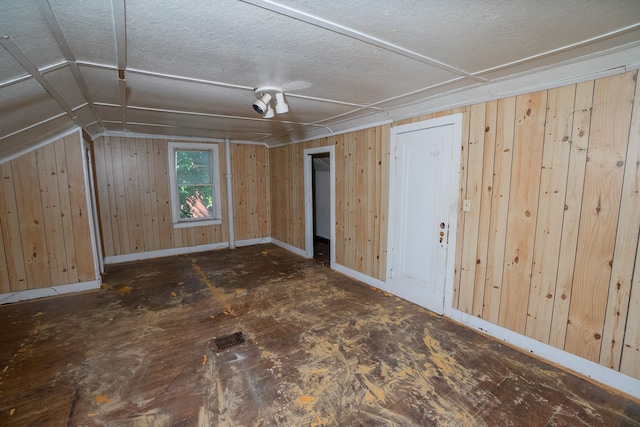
x=269, y=113
x=263, y=104
x=281, y=105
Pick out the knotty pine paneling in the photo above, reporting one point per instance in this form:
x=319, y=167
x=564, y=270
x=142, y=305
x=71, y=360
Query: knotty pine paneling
x=572, y=206
x=553, y=184
x=30, y=220
x=523, y=201
x=13, y=258
x=623, y=303
x=362, y=184
x=133, y=195
x=287, y=205
x=560, y=182
x=44, y=221
x=80, y=215
x=498, y=200
x=135, y=209
x=251, y=188
x=474, y=189
x=600, y=214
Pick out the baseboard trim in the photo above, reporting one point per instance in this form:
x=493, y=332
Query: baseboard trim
x=139, y=256
x=52, y=291
x=251, y=242
x=288, y=247
x=556, y=356
x=372, y=281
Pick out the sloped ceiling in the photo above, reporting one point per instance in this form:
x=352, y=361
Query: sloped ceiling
x=189, y=68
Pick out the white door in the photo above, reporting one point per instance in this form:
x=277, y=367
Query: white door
x=423, y=206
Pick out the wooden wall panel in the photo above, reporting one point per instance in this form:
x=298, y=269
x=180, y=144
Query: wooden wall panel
x=553, y=184
x=523, y=201
x=285, y=176
x=621, y=339
x=383, y=165
x=161, y=189
x=630, y=359
x=147, y=209
x=475, y=148
x=80, y=215
x=102, y=184
x=499, y=202
x=572, y=208
x=31, y=220
x=153, y=198
x=241, y=191
x=340, y=195
x=349, y=182
x=66, y=211
x=131, y=199
x=464, y=161
x=136, y=197
x=624, y=251
x=44, y=221
x=52, y=214
x=484, y=226
x=11, y=232
x=362, y=171
x=360, y=201
x=264, y=181
x=564, y=219
x=5, y=283
x=250, y=171
x=121, y=215
x=297, y=199
x=610, y=121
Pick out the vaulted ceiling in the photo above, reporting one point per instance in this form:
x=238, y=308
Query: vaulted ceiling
x=189, y=68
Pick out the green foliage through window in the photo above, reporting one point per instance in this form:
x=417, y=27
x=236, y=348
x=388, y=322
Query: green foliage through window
x=195, y=186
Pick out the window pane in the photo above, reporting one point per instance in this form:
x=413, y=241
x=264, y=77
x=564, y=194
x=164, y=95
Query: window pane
x=193, y=167
x=196, y=201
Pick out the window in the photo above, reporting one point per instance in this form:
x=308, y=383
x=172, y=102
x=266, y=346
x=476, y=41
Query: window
x=195, y=186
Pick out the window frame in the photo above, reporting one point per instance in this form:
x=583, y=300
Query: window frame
x=173, y=148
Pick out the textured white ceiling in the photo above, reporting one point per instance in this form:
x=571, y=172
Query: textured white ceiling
x=191, y=66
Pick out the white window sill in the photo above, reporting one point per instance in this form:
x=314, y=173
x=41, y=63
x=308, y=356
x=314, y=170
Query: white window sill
x=196, y=223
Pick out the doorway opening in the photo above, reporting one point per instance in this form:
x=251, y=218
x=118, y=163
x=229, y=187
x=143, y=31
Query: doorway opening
x=321, y=170
x=319, y=179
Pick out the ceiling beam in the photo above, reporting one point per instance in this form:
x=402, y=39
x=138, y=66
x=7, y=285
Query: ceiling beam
x=120, y=29
x=54, y=26
x=26, y=63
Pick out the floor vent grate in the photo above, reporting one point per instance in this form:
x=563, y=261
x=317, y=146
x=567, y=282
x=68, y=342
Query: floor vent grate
x=227, y=341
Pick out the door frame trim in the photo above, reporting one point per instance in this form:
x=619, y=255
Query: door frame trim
x=308, y=201
x=454, y=200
